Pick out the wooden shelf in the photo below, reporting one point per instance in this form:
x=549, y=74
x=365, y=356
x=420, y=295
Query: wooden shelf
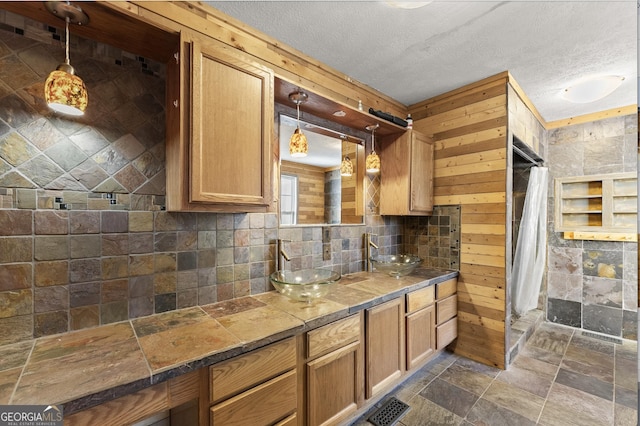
x=598, y=207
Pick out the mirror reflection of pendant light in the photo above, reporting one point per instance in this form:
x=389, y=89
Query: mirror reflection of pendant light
x=64, y=91
x=346, y=168
x=373, y=161
x=298, y=145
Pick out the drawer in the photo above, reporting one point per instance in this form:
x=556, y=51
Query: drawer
x=292, y=420
x=262, y=405
x=240, y=373
x=446, y=333
x=333, y=336
x=419, y=299
x=446, y=288
x=446, y=308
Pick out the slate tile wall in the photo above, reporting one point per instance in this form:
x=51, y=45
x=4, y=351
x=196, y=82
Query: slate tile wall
x=84, y=238
x=593, y=285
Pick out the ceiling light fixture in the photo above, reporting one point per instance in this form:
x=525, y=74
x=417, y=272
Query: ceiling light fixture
x=372, y=162
x=298, y=145
x=407, y=4
x=592, y=89
x=346, y=167
x=64, y=91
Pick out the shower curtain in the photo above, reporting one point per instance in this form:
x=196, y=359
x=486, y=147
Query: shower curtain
x=529, y=260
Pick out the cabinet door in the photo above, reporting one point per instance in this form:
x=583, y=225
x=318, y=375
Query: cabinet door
x=406, y=175
x=232, y=111
x=333, y=385
x=421, y=336
x=421, y=173
x=384, y=351
x=219, y=155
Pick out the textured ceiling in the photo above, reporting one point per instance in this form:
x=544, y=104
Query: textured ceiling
x=412, y=55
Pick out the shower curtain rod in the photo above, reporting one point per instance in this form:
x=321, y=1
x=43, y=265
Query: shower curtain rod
x=526, y=156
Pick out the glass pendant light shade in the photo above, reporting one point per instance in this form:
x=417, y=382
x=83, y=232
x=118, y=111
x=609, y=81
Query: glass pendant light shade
x=346, y=168
x=298, y=145
x=64, y=91
x=372, y=163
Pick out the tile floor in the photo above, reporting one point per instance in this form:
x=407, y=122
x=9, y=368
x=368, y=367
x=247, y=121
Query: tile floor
x=560, y=377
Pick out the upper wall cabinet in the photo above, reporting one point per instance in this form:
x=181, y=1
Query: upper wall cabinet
x=219, y=142
x=406, y=175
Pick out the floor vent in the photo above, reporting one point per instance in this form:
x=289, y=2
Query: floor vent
x=389, y=413
x=601, y=337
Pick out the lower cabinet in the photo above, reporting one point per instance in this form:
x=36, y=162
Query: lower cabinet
x=334, y=373
x=385, y=351
x=421, y=326
x=446, y=313
x=257, y=388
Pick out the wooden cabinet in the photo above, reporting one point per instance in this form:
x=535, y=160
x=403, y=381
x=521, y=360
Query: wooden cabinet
x=446, y=312
x=597, y=207
x=334, y=371
x=257, y=388
x=406, y=175
x=420, y=326
x=385, y=351
x=219, y=130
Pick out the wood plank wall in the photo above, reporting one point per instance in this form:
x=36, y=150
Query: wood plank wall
x=310, y=191
x=469, y=128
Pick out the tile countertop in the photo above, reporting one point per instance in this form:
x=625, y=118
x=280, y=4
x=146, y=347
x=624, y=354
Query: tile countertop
x=83, y=368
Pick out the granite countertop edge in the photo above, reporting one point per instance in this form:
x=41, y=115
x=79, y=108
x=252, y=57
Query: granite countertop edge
x=431, y=277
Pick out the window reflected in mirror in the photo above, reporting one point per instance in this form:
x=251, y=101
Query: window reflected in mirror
x=313, y=190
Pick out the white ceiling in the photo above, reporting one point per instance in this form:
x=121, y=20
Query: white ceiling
x=412, y=55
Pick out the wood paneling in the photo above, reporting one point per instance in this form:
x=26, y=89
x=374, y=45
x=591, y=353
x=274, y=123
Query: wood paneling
x=469, y=129
x=310, y=191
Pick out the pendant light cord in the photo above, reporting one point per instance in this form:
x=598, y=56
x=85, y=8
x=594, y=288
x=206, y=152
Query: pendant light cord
x=66, y=41
x=298, y=108
x=373, y=140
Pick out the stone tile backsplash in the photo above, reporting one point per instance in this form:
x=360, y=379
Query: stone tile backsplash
x=84, y=237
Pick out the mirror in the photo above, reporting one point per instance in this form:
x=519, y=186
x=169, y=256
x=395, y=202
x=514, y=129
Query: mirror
x=312, y=190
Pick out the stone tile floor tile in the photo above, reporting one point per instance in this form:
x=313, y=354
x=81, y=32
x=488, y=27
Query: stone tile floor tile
x=561, y=377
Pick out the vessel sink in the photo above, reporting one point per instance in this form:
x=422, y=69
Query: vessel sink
x=305, y=284
x=396, y=265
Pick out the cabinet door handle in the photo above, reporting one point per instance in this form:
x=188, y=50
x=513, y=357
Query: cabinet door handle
x=175, y=103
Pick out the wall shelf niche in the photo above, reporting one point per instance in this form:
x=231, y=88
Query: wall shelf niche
x=597, y=207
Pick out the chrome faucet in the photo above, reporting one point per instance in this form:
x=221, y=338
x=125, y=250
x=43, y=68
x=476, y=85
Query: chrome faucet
x=368, y=243
x=281, y=254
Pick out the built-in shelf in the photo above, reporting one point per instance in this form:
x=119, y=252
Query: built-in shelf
x=597, y=207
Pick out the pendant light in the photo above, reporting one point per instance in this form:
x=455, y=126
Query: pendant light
x=373, y=161
x=298, y=145
x=64, y=91
x=346, y=168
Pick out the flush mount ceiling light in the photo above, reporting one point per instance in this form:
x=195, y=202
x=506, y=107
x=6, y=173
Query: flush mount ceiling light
x=346, y=167
x=372, y=162
x=592, y=89
x=407, y=4
x=64, y=91
x=298, y=145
